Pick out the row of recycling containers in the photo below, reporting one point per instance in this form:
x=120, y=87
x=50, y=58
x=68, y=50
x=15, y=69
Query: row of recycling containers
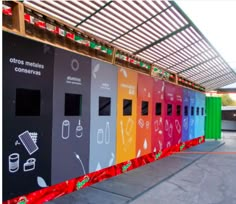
x=65, y=115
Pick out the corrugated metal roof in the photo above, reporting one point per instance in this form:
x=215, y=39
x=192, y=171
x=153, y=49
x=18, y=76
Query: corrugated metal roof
x=158, y=31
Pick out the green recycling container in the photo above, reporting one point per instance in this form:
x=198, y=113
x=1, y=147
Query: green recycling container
x=213, y=118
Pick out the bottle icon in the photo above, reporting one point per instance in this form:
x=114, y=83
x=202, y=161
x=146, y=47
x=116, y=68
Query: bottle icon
x=185, y=123
x=65, y=133
x=129, y=126
x=79, y=130
x=170, y=131
x=156, y=126
x=166, y=125
x=107, y=133
x=100, y=135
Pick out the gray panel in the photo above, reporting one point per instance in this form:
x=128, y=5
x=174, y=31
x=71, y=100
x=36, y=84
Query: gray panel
x=70, y=140
x=103, y=127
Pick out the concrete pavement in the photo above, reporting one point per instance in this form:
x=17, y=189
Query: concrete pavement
x=186, y=179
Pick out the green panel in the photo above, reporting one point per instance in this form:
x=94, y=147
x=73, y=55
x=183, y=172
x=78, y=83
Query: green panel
x=213, y=118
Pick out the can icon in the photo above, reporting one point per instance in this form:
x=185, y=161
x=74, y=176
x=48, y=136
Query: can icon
x=65, y=133
x=14, y=160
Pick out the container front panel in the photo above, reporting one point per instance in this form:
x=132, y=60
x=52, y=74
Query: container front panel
x=177, y=115
x=126, y=115
x=191, y=114
x=185, y=117
x=202, y=114
x=27, y=115
x=144, y=115
x=197, y=117
x=103, y=115
x=169, y=108
x=71, y=116
x=158, y=115
x=213, y=118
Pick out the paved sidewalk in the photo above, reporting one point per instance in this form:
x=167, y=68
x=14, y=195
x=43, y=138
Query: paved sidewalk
x=185, y=179
x=209, y=180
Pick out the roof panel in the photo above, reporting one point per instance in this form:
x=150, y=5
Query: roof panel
x=153, y=7
x=158, y=31
x=179, y=16
x=93, y=29
x=130, y=45
x=221, y=84
x=48, y=10
x=204, y=72
x=224, y=77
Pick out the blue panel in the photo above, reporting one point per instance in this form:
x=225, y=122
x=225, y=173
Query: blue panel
x=202, y=114
x=191, y=114
x=185, y=119
x=197, y=117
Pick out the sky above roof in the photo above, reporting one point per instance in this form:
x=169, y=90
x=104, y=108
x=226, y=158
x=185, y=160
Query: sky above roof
x=216, y=20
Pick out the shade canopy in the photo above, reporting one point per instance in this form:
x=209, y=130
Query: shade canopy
x=157, y=31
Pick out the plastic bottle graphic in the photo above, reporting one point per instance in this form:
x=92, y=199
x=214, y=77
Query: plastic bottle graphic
x=170, y=131
x=107, y=133
x=185, y=123
x=79, y=130
x=65, y=133
x=160, y=121
x=192, y=122
x=100, y=135
x=166, y=125
x=156, y=126
x=129, y=126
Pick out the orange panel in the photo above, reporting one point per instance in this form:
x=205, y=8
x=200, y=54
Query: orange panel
x=126, y=115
